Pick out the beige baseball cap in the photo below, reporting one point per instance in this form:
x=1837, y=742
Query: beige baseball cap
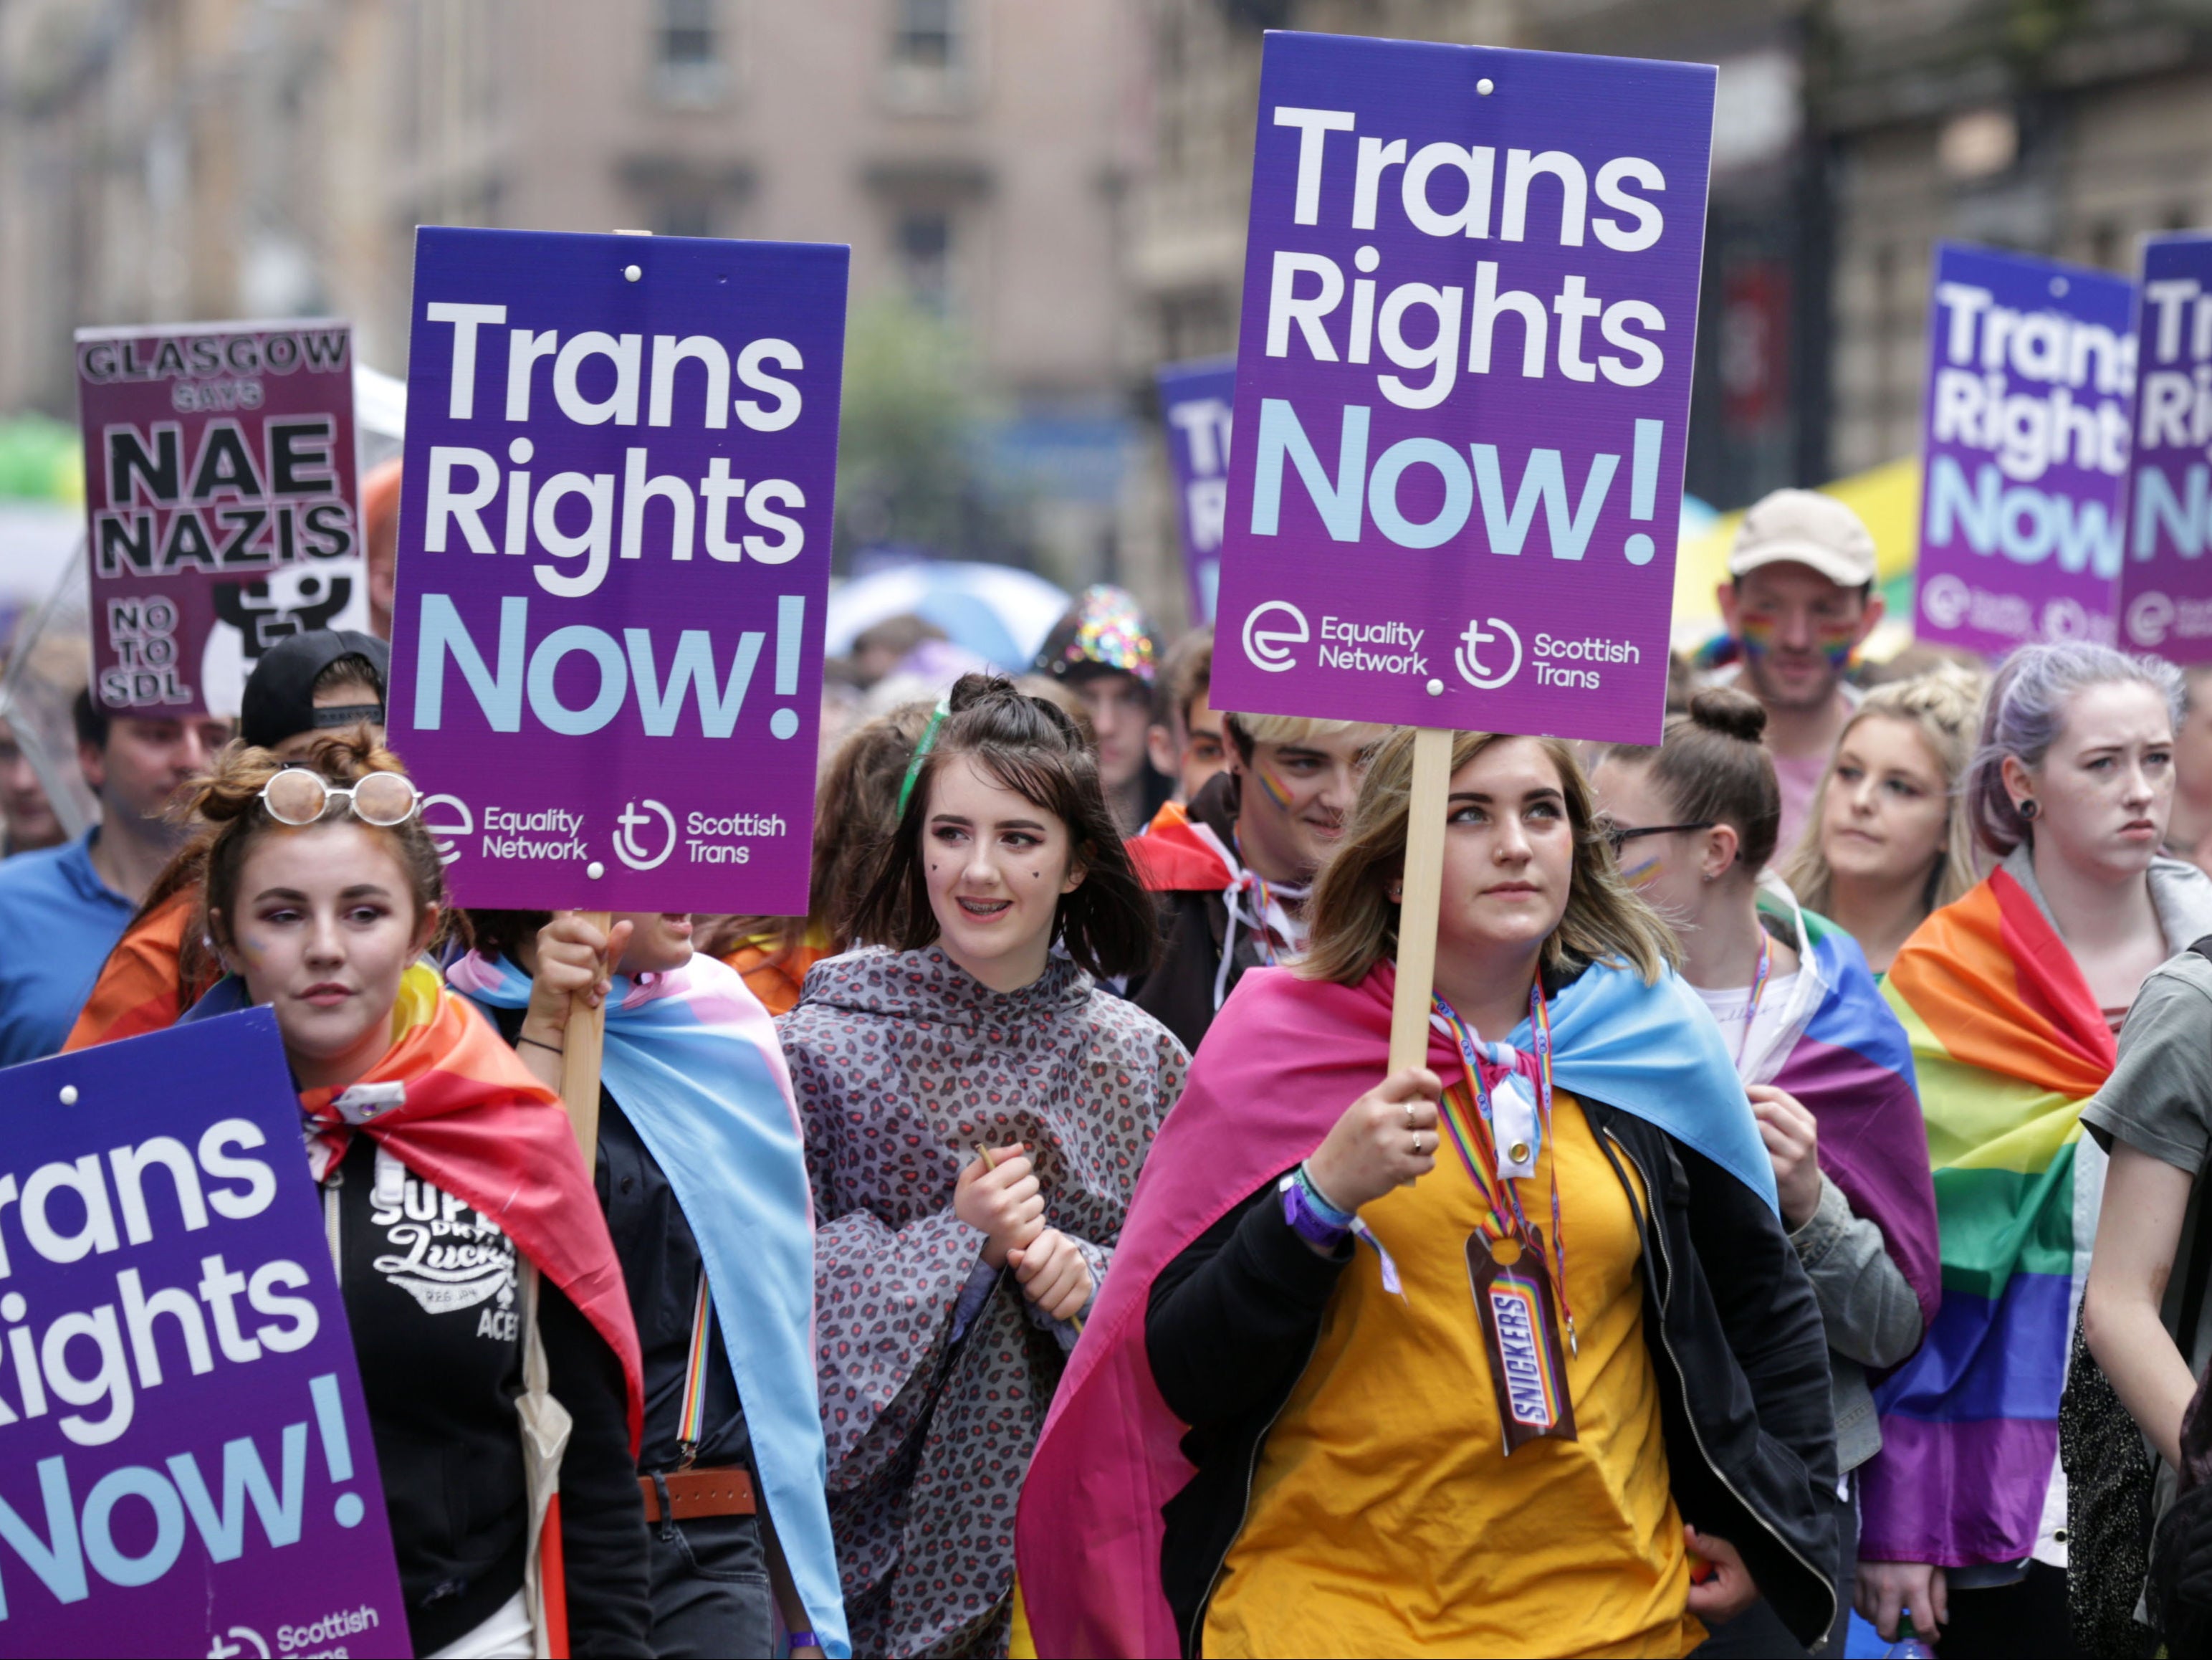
x=1804, y=527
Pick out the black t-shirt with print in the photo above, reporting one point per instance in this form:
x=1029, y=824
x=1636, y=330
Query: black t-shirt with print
x=433, y=1299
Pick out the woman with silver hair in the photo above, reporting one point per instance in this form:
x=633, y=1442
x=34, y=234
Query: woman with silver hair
x=2013, y=995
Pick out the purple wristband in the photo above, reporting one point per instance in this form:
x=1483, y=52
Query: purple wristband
x=1300, y=1213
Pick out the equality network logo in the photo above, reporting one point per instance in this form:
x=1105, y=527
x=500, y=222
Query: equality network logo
x=630, y=848
x=1270, y=631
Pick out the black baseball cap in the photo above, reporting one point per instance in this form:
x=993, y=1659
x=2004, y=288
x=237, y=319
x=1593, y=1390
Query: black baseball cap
x=280, y=694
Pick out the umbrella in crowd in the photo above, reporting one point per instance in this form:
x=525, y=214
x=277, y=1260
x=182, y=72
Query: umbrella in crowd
x=999, y=613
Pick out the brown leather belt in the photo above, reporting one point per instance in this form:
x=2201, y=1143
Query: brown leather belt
x=700, y=1492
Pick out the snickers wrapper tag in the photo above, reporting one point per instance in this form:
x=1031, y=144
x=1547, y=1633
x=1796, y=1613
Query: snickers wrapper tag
x=1521, y=1335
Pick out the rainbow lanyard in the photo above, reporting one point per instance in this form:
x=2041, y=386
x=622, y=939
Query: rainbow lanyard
x=1479, y=1134
x=1758, y=991
x=691, y=1417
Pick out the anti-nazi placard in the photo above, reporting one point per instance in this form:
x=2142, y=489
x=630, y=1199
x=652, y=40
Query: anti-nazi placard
x=219, y=502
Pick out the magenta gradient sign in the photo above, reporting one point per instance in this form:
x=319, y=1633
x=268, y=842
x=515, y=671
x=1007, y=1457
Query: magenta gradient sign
x=1196, y=401
x=188, y=1465
x=2030, y=364
x=219, y=504
x=614, y=564
x=2166, y=583
x=1464, y=386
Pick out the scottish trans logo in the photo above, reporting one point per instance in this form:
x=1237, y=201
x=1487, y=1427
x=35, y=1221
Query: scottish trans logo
x=1468, y=658
x=634, y=849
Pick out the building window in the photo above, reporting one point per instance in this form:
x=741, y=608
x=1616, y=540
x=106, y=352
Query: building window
x=687, y=52
x=925, y=256
x=925, y=35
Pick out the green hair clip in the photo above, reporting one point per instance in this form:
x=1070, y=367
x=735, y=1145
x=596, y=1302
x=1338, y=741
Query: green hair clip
x=921, y=751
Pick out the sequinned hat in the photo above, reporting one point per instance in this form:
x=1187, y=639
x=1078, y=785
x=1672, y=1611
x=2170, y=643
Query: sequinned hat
x=1105, y=628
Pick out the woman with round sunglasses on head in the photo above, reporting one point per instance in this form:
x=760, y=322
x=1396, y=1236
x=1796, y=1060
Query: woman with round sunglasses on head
x=323, y=891
x=976, y=1108
x=1827, y=1066
x=2012, y=995
x=1507, y=1353
x=1888, y=839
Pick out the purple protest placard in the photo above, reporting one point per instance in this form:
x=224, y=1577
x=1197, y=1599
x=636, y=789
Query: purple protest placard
x=2024, y=451
x=1195, y=401
x=189, y=1466
x=1463, y=387
x=614, y=564
x=219, y=504
x=2165, y=589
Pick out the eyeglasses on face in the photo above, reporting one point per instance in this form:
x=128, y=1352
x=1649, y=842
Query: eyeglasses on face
x=1620, y=835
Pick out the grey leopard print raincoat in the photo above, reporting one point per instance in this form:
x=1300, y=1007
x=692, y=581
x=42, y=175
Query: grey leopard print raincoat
x=902, y=1063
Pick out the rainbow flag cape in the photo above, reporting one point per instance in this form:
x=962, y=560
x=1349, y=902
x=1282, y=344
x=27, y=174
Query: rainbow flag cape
x=2009, y=1045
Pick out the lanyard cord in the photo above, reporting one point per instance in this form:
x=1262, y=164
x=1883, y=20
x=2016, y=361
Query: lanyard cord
x=1484, y=1133
x=1758, y=991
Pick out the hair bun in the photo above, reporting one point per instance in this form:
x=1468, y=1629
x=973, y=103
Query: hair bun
x=1731, y=713
x=971, y=689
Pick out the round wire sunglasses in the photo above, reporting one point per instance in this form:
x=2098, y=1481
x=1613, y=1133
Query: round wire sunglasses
x=298, y=796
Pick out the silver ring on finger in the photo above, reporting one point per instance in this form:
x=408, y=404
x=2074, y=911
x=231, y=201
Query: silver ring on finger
x=1409, y=1114
x=1417, y=1144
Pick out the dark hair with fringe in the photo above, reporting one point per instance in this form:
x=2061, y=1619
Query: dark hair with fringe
x=1108, y=925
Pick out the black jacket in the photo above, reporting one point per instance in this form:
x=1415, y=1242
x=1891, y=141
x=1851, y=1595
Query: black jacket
x=1735, y=1338
x=1178, y=991
x=429, y=1296
x=660, y=1265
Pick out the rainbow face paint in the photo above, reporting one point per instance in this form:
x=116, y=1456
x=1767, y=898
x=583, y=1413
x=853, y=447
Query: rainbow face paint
x=1834, y=639
x=1271, y=787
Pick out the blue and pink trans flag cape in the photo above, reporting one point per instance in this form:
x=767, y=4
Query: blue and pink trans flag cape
x=693, y=1058
x=1851, y=1068
x=1282, y=1060
x=2008, y=1044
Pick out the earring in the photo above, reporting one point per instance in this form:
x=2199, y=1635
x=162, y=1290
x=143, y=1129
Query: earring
x=2027, y=808
x=1397, y=895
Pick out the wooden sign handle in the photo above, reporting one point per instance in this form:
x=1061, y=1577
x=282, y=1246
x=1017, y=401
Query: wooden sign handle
x=580, y=1046
x=1422, y=892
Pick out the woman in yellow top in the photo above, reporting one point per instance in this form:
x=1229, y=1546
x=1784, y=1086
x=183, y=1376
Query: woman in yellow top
x=1497, y=1356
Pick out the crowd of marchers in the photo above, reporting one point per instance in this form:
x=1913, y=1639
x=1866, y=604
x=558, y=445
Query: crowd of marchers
x=1031, y=1248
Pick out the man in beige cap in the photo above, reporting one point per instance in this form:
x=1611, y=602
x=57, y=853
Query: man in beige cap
x=1798, y=602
